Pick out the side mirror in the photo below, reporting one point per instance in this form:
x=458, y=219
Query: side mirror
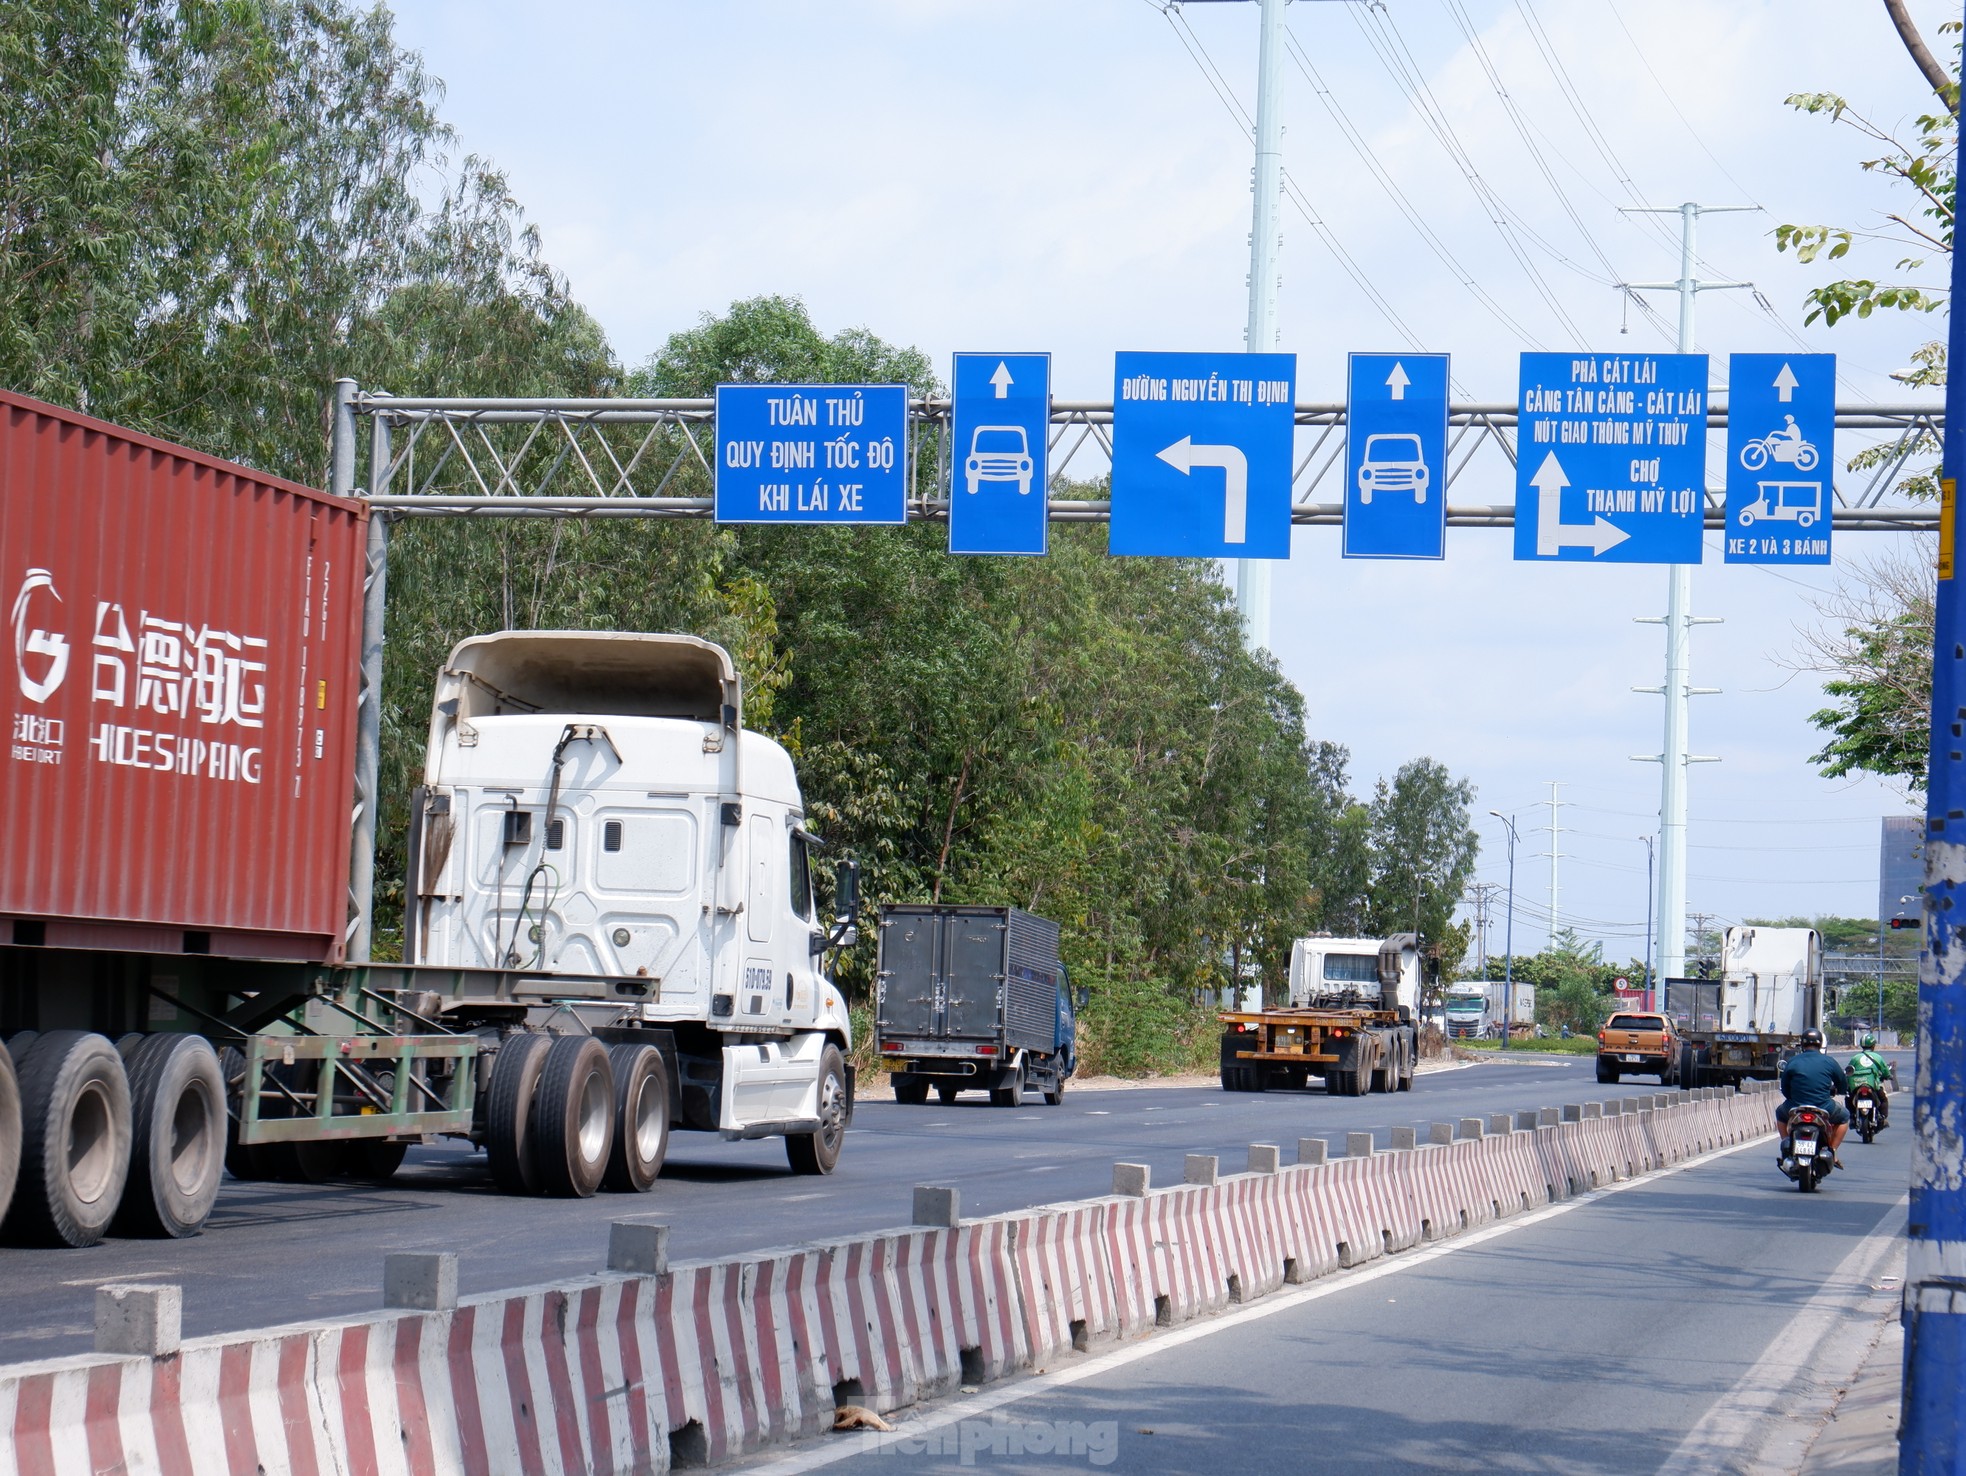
x=845, y=931
x=1081, y=997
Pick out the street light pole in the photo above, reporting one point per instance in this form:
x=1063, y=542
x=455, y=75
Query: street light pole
x=1508, y=937
x=1651, y=974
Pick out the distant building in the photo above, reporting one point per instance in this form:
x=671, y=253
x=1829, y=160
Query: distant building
x=1900, y=867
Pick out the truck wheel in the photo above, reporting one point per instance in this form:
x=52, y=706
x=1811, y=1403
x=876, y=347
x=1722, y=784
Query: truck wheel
x=1689, y=1068
x=515, y=1079
x=1408, y=1055
x=75, y=1143
x=1607, y=1074
x=946, y=1090
x=1056, y=1096
x=816, y=1153
x=1012, y=1095
x=910, y=1091
x=177, y=1140
x=641, y=1118
x=375, y=1160
x=572, y=1121
x=9, y=1131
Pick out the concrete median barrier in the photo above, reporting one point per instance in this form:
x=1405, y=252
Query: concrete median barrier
x=652, y=1365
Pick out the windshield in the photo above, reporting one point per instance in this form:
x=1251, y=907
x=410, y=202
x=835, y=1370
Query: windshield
x=1631, y=1022
x=1392, y=448
x=1351, y=968
x=1465, y=1006
x=1000, y=440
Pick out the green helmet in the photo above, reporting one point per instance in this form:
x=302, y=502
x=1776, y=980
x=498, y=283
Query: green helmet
x=1870, y=1041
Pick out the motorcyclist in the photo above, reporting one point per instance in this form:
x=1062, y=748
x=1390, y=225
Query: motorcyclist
x=1868, y=1068
x=1792, y=433
x=1812, y=1079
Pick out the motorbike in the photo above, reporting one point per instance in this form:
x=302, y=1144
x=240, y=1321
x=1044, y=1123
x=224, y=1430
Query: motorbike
x=1791, y=449
x=1806, y=1155
x=1866, y=1112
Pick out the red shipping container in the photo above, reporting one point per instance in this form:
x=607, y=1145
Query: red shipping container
x=183, y=641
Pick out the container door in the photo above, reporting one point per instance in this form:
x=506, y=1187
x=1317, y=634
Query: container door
x=974, y=954
x=910, y=943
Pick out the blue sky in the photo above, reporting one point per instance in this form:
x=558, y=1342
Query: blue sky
x=1067, y=175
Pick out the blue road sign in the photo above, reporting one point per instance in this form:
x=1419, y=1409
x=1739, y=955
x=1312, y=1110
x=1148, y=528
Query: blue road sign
x=1396, y=457
x=1611, y=454
x=1781, y=431
x=1201, y=454
x=812, y=453
x=1002, y=421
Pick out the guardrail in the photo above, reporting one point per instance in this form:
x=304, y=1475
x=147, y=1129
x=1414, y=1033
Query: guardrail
x=650, y=1366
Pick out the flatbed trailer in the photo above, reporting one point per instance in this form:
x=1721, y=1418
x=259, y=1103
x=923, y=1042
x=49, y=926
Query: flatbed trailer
x=1352, y=1051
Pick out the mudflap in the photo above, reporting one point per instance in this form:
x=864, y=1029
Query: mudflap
x=849, y=1093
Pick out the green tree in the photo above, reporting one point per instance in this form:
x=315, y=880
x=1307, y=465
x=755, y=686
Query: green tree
x=1876, y=639
x=1423, y=849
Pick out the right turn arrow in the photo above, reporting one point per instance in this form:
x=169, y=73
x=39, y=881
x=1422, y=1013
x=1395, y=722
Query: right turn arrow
x=1552, y=533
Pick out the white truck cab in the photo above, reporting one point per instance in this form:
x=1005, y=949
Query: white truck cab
x=593, y=807
x=1338, y=973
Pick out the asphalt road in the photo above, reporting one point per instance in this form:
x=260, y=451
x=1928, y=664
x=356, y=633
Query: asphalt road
x=276, y=1253
x=1688, y=1323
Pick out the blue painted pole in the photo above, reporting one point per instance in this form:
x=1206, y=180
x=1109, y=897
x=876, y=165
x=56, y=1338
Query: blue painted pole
x=1932, y=1436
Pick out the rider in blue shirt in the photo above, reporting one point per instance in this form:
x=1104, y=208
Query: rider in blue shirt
x=1812, y=1079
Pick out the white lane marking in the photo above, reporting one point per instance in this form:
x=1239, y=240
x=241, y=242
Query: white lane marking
x=1270, y=1306
x=1766, y=1421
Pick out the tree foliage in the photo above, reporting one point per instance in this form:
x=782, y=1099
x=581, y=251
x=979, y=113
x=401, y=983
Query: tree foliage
x=1875, y=642
x=210, y=209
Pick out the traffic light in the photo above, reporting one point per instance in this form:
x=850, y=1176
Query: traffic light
x=1904, y=922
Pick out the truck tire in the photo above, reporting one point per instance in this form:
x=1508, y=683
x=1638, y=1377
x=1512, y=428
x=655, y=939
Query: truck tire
x=572, y=1122
x=75, y=1140
x=375, y=1160
x=9, y=1131
x=514, y=1081
x=910, y=1091
x=641, y=1118
x=1056, y=1096
x=1607, y=1074
x=177, y=1137
x=946, y=1090
x=817, y=1152
x=1689, y=1068
x=19, y=1044
x=1409, y=1057
x=1011, y=1095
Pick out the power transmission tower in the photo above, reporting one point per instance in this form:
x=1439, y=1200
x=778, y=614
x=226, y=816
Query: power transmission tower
x=1699, y=921
x=1480, y=894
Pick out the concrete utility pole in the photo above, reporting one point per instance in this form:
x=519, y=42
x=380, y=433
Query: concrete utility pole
x=1677, y=689
x=1933, y=1437
x=1265, y=240
x=1556, y=855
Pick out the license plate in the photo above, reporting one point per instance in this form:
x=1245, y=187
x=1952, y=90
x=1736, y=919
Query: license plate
x=1805, y=1149
x=1634, y=1059
x=1865, y=1107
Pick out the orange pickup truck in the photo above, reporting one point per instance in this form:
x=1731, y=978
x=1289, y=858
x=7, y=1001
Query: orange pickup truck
x=1638, y=1045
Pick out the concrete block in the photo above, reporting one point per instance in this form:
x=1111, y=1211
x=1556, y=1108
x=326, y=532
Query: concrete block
x=138, y=1319
x=1131, y=1178
x=1358, y=1145
x=1440, y=1132
x=1470, y=1127
x=1264, y=1158
x=939, y=1205
x=1404, y=1137
x=638, y=1247
x=1526, y=1120
x=1199, y=1168
x=420, y=1281
x=1573, y=1112
x=1593, y=1110
x=1546, y=1117
x=1499, y=1122
x=1311, y=1150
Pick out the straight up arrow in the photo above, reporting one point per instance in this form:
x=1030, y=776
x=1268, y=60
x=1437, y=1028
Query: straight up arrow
x=1001, y=379
x=1184, y=456
x=1397, y=380
x=1785, y=383
x=1552, y=533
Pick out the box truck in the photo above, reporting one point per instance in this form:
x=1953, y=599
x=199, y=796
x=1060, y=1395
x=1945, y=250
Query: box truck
x=973, y=997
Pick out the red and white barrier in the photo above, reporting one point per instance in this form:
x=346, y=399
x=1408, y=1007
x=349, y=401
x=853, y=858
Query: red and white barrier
x=717, y=1359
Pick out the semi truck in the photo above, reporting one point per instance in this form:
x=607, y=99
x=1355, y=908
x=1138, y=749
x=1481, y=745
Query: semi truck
x=973, y=997
x=1474, y=1008
x=1349, y=1020
x=1745, y=1023
x=610, y=926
